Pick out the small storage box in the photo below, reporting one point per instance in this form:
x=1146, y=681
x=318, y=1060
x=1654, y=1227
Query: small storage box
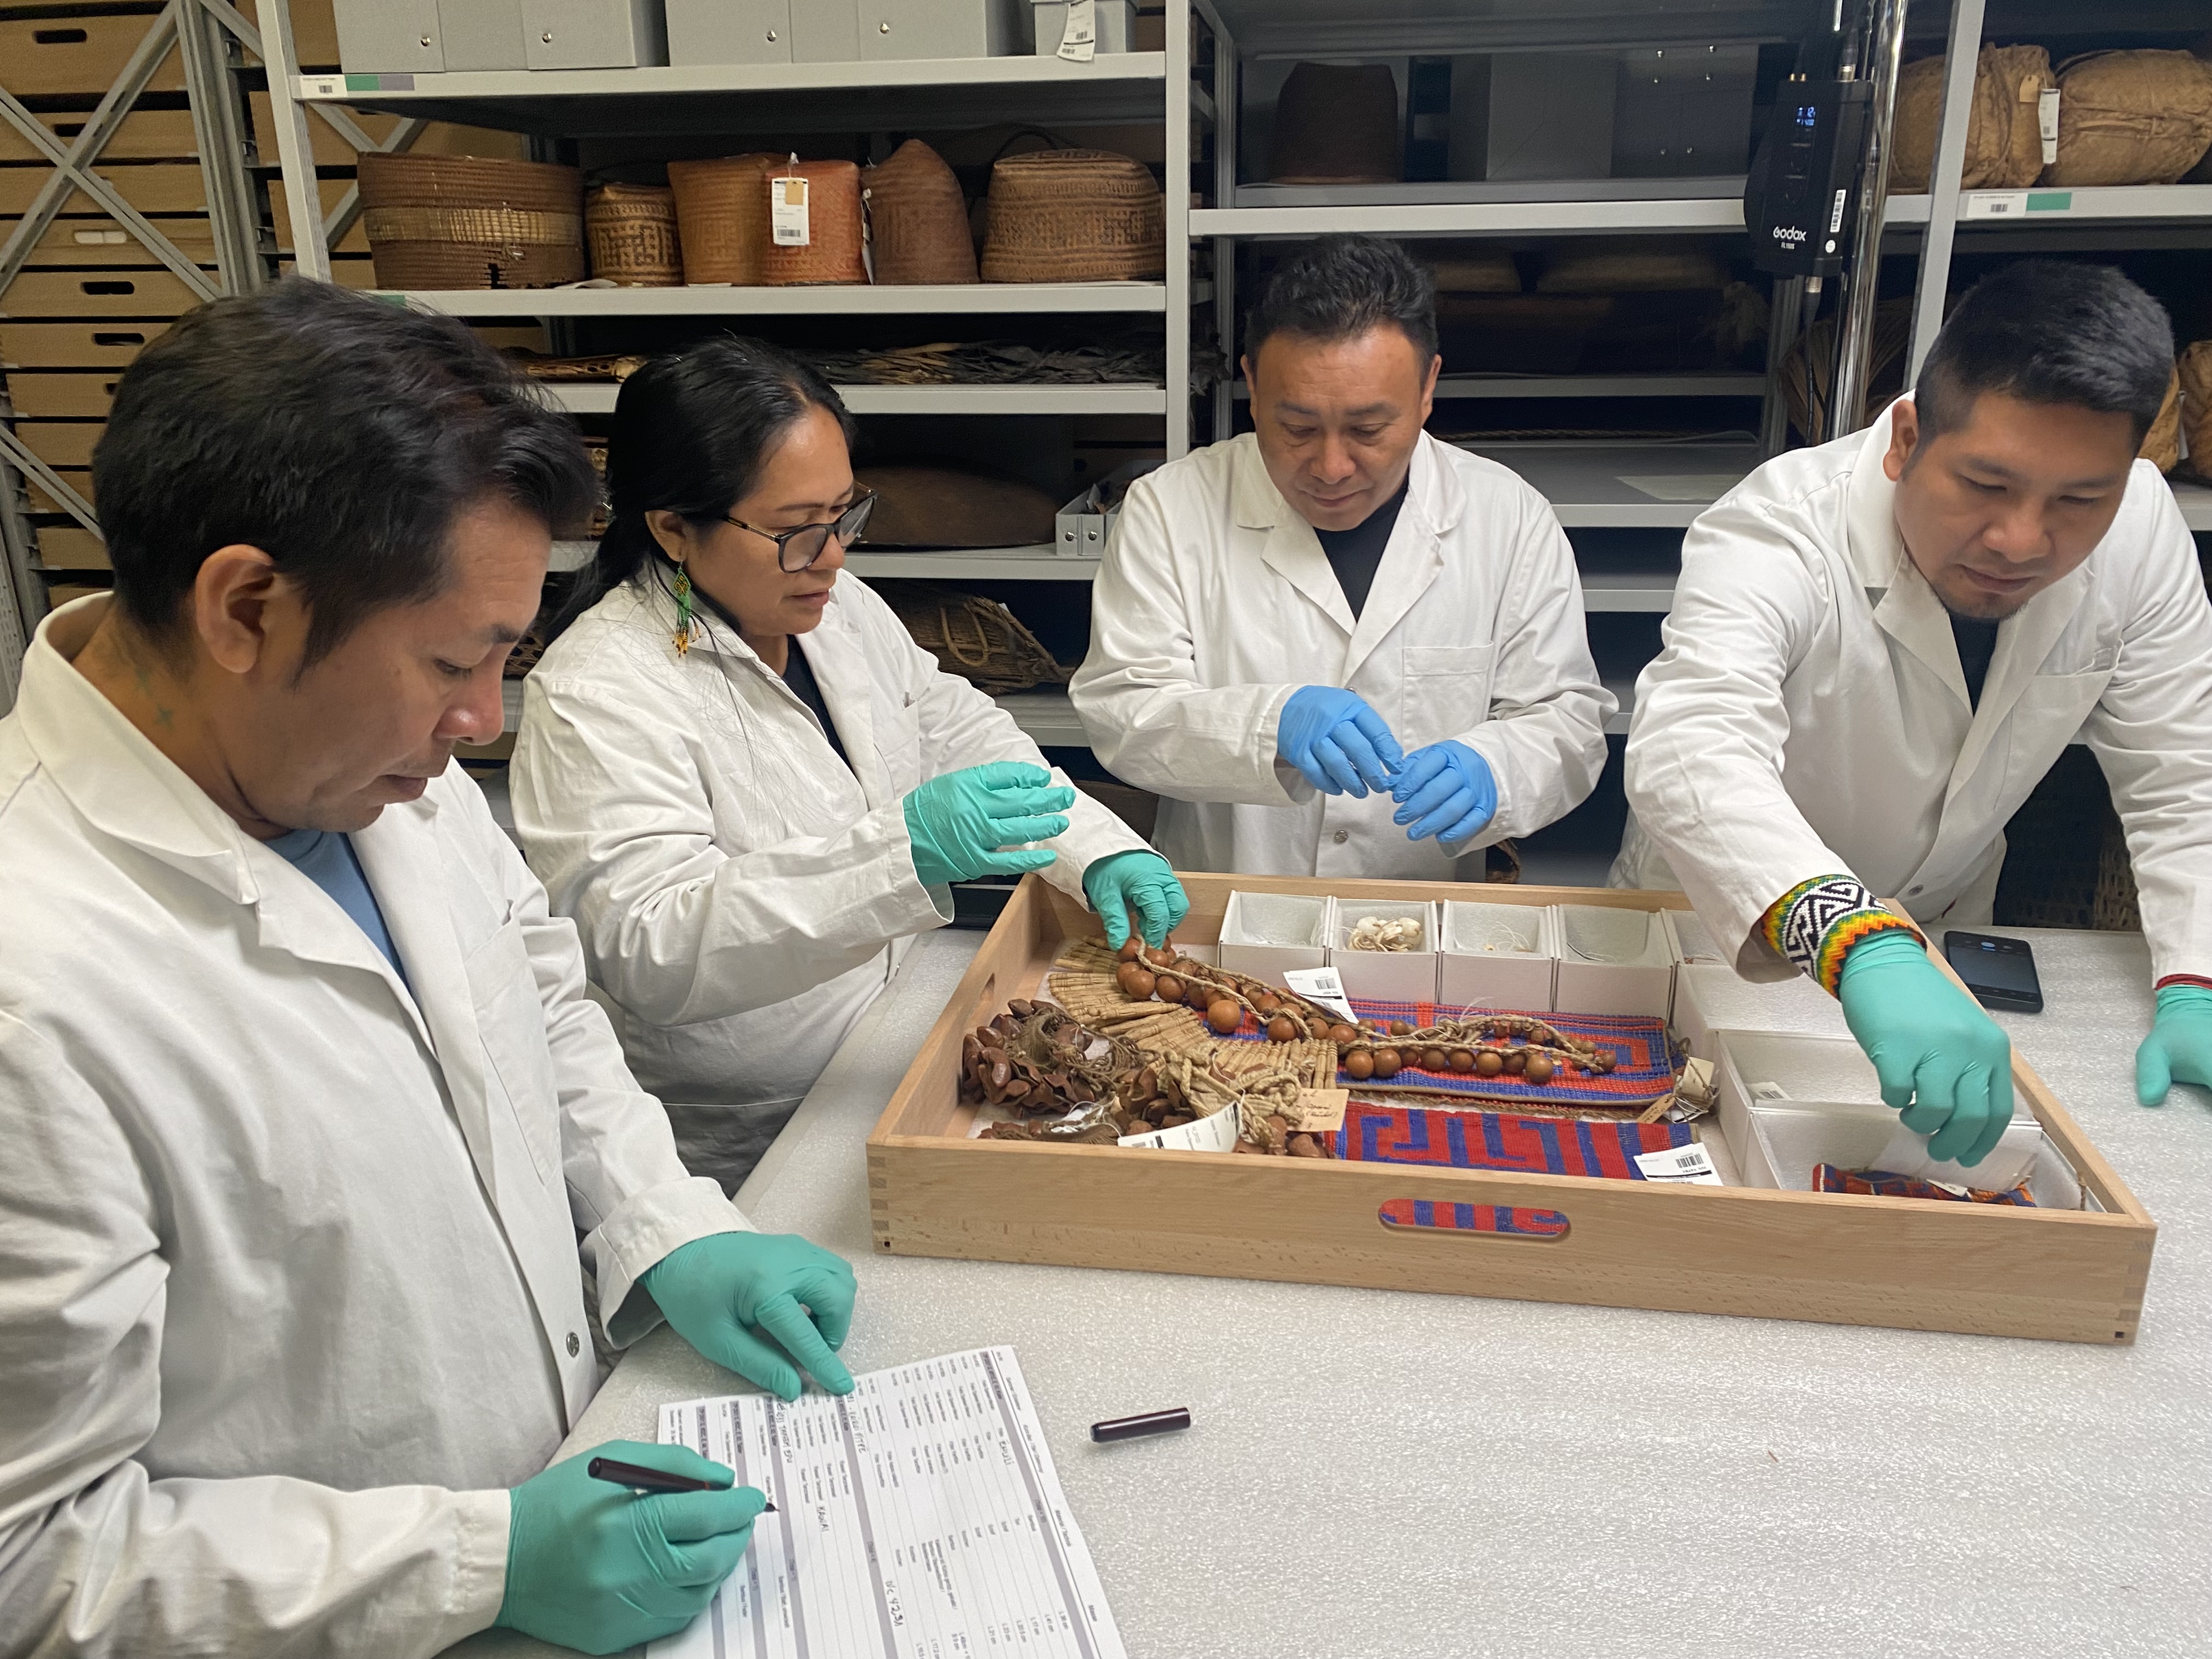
x=1384, y=975
x=481, y=34
x=1263, y=934
x=564, y=35
x=1689, y=940
x=705, y=31
x=382, y=36
x=1708, y=998
x=1497, y=956
x=1613, y=961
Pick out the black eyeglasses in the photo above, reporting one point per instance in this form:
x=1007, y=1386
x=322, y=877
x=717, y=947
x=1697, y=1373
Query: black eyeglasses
x=797, y=550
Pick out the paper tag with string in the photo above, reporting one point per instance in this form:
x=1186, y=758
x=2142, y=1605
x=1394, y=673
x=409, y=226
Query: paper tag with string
x=2046, y=122
x=786, y=210
x=1079, y=38
x=1322, y=985
x=1318, y=1111
x=1215, y=1133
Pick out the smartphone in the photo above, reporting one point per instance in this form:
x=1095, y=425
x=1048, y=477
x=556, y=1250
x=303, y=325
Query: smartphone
x=2000, y=972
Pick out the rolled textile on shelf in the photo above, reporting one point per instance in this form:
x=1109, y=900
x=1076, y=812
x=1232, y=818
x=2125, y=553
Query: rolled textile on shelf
x=1631, y=264
x=835, y=236
x=2004, y=143
x=2195, y=373
x=2161, y=445
x=1336, y=124
x=463, y=221
x=1074, y=216
x=722, y=216
x=1475, y=273
x=918, y=219
x=631, y=230
x=2131, y=117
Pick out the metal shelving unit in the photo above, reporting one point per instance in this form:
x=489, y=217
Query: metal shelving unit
x=597, y=398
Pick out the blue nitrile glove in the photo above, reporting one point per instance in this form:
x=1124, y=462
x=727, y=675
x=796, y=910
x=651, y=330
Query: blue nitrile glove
x=1140, y=881
x=1446, y=791
x=728, y=1294
x=2179, y=1046
x=598, y=1567
x=1341, y=745
x=959, y=822
x=1943, y=1063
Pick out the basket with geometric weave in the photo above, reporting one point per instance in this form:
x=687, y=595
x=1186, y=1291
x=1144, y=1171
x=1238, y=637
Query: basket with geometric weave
x=2066, y=860
x=976, y=638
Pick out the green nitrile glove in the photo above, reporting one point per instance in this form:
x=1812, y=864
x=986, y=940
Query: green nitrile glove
x=598, y=1567
x=736, y=1296
x=1140, y=881
x=959, y=822
x=2179, y=1046
x=1943, y=1063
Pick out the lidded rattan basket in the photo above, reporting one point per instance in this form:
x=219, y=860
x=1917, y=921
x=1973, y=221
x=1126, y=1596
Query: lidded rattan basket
x=631, y=231
x=831, y=252
x=722, y=216
x=918, y=219
x=1074, y=216
x=448, y=221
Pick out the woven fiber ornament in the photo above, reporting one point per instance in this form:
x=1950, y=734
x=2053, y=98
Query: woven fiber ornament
x=918, y=219
x=631, y=230
x=722, y=216
x=833, y=224
x=1336, y=124
x=978, y=639
x=1074, y=216
x=2131, y=117
x=2004, y=145
x=458, y=221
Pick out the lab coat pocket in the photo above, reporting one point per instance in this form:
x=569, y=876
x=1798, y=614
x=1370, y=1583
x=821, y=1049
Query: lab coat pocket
x=518, y=1064
x=1446, y=692
x=898, y=744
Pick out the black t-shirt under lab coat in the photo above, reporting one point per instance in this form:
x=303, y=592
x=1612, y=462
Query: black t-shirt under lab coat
x=1977, y=644
x=799, y=675
x=1355, y=554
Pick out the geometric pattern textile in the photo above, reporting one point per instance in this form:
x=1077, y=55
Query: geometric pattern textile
x=1816, y=922
x=1884, y=1183
x=1495, y=1141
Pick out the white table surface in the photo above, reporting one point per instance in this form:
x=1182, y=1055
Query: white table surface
x=1376, y=1472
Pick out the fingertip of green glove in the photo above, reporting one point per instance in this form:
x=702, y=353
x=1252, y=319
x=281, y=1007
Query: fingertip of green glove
x=2153, y=1072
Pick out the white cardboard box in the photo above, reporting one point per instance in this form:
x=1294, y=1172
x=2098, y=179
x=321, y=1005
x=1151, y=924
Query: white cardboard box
x=1498, y=955
x=1690, y=939
x=1709, y=998
x=1384, y=975
x=1263, y=934
x=1613, y=961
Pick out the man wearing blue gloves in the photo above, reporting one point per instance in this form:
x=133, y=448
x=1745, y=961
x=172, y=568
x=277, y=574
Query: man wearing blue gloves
x=1880, y=645
x=1335, y=646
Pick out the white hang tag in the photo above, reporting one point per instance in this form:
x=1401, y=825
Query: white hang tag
x=1217, y=1133
x=1692, y=1164
x=1079, y=39
x=786, y=211
x=1322, y=985
x=2047, y=123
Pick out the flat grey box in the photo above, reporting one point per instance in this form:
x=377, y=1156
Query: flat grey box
x=825, y=32
x=1550, y=115
x=381, y=36
x=1080, y=530
x=895, y=30
x=482, y=34
x=558, y=35
x=731, y=31
x=1115, y=23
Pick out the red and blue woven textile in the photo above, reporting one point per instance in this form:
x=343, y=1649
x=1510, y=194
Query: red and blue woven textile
x=1473, y=1218
x=1501, y=1140
x=1886, y=1183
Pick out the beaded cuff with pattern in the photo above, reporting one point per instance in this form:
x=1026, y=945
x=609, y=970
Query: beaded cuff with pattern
x=1816, y=922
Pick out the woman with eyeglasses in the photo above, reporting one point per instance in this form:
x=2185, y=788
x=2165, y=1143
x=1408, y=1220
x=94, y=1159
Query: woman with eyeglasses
x=741, y=778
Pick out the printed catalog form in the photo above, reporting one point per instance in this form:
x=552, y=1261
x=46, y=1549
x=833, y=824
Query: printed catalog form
x=918, y=1517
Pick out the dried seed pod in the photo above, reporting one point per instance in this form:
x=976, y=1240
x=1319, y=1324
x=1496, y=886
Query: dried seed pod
x=1539, y=1068
x=1171, y=988
x=1175, y=1120
x=1400, y=1027
x=1341, y=1035
x=1001, y=1074
x=1434, y=1059
x=1159, y=958
x=1318, y=1028
x=1225, y=1017
x=1199, y=995
x=1021, y=1008
x=1489, y=1063
x=1517, y=1061
x=1387, y=1062
x=1148, y=1082
x=1359, y=1064
x=1303, y=1145
x=1135, y=979
x=1131, y=947
x=1247, y=1146
x=1279, y=1123
x=1282, y=1028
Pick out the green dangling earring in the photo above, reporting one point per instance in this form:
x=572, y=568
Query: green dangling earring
x=683, y=611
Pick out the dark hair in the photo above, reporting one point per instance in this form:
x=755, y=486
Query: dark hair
x=2047, y=332
x=691, y=432
x=1342, y=286
x=340, y=435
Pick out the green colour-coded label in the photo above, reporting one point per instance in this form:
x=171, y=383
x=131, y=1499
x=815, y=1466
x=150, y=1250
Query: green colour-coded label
x=361, y=82
x=2051, y=201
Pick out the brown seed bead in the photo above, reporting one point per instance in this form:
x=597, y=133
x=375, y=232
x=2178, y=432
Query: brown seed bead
x=1279, y=1123
x=1282, y=1028
x=1359, y=1064
x=1489, y=1063
x=1317, y=1028
x=1131, y=947
x=1387, y=1062
x=1517, y=1061
x=1225, y=1017
x=1247, y=1146
x=1434, y=1060
x=1400, y=1027
x=1267, y=1004
x=1462, y=1060
x=1539, y=1068
x=1201, y=995
x=1170, y=988
x=1305, y=1147
x=1174, y=1120
x=1163, y=958
x=1340, y=1035
x=1135, y=979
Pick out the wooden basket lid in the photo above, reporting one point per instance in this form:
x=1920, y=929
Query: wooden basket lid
x=469, y=181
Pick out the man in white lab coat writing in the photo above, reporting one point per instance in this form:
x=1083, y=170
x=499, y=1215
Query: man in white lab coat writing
x=303, y=1108
x=1335, y=646
x=1879, y=645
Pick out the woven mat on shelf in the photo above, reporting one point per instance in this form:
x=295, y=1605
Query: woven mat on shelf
x=604, y=368
x=991, y=362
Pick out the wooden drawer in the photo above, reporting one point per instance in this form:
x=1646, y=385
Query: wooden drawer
x=75, y=345
x=99, y=241
x=159, y=292
x=149, y=186
x=71, y=547
x=79, y=54
x=61, y=443
x=144, y=135
x=77, y=478
x=61, y=394
x=59, y=594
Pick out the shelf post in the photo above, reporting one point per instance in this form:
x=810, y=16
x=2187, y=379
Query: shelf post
x=1179, y=21
x=1854, y=324
x=1933, y=284
x=310, y=255
x=204, y=45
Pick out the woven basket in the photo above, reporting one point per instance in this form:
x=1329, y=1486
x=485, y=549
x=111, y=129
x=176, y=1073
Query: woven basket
x=2066, y=855
x=2004, y=145
x=1632, y=266
x=1892, y=328
x=1074, y=216
x=942, y=506
x=978, y=639
x=1336, y=124
x=722, y=216
x=631, y=230
x=918, y=219
x=2195, y=373
x=2131, y=117
x=2161, y=445
x=833, y=228
x=449, y=222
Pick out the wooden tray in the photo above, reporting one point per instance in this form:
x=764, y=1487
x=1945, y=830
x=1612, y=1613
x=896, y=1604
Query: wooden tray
x=2072, y=1275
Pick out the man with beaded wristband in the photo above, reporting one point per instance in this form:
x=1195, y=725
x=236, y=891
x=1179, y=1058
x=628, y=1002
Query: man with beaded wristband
x=1879, y=645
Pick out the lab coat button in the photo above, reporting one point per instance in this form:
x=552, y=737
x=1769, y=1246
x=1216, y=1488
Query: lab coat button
x=1342, y=836
x=574, y=1346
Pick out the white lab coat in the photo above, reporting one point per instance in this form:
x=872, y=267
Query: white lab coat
x=742, y=894
x=289, y=1266
x=1215, y=602
x=1808, y=715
